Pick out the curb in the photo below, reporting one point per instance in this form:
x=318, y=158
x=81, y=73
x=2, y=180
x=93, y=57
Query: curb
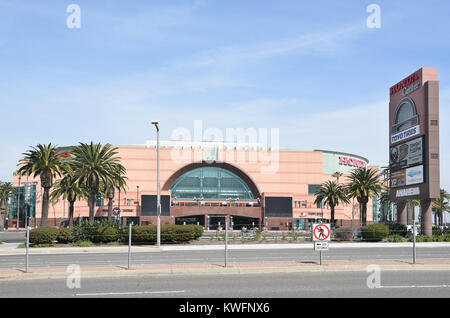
x=233, y=269
x=10, y=250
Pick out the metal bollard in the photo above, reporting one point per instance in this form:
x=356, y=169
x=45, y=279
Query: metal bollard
x=226, y=242
x=28, y=247
x=129, y=247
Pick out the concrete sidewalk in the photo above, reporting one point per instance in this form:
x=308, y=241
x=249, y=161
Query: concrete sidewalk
x=234, y=268
x=13, y=249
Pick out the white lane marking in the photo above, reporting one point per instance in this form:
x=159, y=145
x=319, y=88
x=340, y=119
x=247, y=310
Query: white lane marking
x=417, y=286
x=134, y=293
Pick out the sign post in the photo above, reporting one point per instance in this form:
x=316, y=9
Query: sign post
x=321, y=236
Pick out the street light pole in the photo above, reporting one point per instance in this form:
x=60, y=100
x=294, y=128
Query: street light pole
x=158, y=200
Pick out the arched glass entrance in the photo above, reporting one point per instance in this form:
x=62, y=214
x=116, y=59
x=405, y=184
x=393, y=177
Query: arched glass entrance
x=212, y=184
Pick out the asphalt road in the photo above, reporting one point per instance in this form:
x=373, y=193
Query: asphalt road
x=217, y=257
x=13, y=237
x=428, y=284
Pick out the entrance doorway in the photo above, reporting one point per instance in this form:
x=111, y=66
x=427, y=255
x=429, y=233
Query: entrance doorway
x=191, y=219
x=240, y=221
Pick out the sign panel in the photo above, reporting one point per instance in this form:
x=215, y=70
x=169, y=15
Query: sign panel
x=407, y=192
x=407, y=154
x=414, y=175
x=398, y=179
x=321, y=246
x=414, y=137
x=408, y=133
x=321, y=232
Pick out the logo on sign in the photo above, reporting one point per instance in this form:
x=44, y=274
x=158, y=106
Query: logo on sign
x=405, y=134
x=407, y=192
x=346, y=161
x=321, y=232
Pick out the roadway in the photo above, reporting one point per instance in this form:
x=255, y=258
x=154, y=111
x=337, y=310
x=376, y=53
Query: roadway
x=429, y=284
x=216, y=257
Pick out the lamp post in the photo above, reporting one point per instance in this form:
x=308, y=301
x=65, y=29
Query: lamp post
x=158, y=200
x=18, y=204
x=138, y=209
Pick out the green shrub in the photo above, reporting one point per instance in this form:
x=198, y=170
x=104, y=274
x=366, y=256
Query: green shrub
x=82, y=243
x=169, y=233
x=421, y=238
x=375, y=232
x=447, y=237
x=198, y=230
x=436, y=230
x=177, y=233
x=397, y=229
x=143, y=234
x=344, y=233
x=86, y=231
x=43, y=235
x=106, y=235
x=395, y=238
x=63, y=236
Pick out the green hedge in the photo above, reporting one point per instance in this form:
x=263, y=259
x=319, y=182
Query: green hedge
x=64, y=236
x=43, y=235
x=105, y=233
x=169, y=233
x=396, y=238
x=375, y=232
x=198, y=230
x=436, y=230
x=397, y=229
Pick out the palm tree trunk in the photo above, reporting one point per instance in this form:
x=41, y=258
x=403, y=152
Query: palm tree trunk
x=363, y=214
x=4, y=207
x=332, y=217
x=45, y=204
x=110, y=207
x=71, y=208
x=91, y=207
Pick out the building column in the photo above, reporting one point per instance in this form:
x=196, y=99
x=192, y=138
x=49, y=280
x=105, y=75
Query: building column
x=402, y=213
x=426, y=217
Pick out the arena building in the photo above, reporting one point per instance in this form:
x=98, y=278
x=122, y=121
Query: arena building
x=204, y=182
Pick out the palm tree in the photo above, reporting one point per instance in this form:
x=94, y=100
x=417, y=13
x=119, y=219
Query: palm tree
x=7, y=190
x=441, y=205
x=119, y=183
x=69, y=189
x=337, y=175
x=331, y=193
x=43, y=161
x=95, y=166
x=363, y=184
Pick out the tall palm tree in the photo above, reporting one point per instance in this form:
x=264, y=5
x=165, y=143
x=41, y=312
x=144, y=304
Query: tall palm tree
x=337, y=175
x=7, y=190
x=69, y=189
x=95, y=166
x=441, y=205
x=43, y=161
x=118, y=182
x=363, y=184
x=331, y=193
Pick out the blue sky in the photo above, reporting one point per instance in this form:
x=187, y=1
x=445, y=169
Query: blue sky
x=313, y=69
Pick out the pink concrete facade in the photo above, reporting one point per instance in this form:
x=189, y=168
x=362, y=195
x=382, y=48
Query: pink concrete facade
x=288, y=173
